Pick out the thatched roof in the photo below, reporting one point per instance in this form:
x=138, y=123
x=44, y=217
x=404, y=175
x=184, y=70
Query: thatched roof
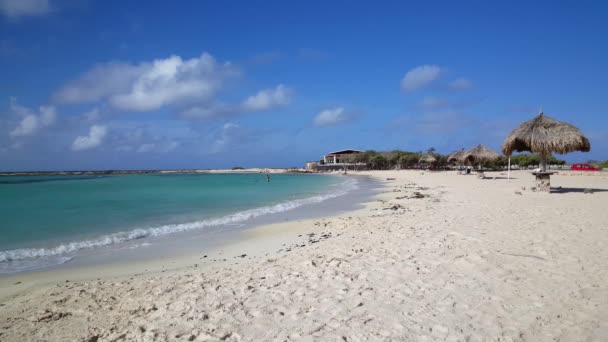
x=545, y=135
x=480, y=154
x=456, y=156
x=427, y=159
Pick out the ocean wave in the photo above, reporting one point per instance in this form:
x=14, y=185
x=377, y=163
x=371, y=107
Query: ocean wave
x=121, y=237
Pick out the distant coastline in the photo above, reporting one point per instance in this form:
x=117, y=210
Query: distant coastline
x=137, y=172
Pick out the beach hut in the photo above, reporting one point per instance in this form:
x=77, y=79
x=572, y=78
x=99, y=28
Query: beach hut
x=427, y=158
x=480, y=154
x=545, y=135
x=456, y=156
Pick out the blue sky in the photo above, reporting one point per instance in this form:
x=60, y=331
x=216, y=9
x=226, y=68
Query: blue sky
x=208, y=84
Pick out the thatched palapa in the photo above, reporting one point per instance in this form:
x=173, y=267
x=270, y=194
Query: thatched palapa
x=456, y=156
x=427, y=159
x=480, y=154
x=544, y=135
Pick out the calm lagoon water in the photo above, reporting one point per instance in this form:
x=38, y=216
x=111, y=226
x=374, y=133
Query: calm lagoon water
x=45, y=220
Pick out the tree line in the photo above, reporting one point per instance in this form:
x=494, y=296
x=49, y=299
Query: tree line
x=398, y=159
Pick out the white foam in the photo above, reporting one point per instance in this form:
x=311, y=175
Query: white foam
x=32, y=264
x=121, y=237
x=136, y=245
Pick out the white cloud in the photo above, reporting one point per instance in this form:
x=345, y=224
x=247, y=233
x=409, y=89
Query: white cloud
x=92, y=115
x=19, y=109
x=47, y=115
x=268, y=98
x=171, y=81
x=20, y=8
x=191, y=86
x=262, y=100
x=420, y=77
x=228, y=134
x=31, y=122
x=461, y=84
x=149, y=85
x=96, y=135
x=162, y=147
x=27, y=126
x=103, y=81
x=329, y=117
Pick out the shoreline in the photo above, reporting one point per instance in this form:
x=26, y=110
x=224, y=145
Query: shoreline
x=215, y=228
x=435, y=256
x=177, y=250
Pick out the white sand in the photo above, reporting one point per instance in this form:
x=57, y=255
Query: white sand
x=474, y=261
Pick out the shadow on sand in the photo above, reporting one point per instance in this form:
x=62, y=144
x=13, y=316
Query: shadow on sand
x=560, y=190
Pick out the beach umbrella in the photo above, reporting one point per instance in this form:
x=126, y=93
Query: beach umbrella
x=456, y=156
x=480, y=154
x=427, y=159
x=545, y=135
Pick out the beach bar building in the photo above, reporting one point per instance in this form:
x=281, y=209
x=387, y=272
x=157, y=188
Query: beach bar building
x=340, y=157
x=337, y=160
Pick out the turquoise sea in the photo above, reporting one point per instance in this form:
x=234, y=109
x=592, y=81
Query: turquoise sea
x=45, y=220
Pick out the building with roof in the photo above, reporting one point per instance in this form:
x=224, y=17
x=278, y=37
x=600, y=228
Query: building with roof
x=340, y=157
x=337, y=160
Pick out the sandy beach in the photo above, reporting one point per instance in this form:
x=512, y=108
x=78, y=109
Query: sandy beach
x=435, y=257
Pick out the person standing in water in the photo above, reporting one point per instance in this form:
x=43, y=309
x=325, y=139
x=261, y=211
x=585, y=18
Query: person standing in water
x=268, y=178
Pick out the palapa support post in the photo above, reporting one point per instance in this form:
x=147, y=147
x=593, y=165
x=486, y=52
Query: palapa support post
x=543, y=177
x=509, y=170
x=543, y=181
x=543, y=162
